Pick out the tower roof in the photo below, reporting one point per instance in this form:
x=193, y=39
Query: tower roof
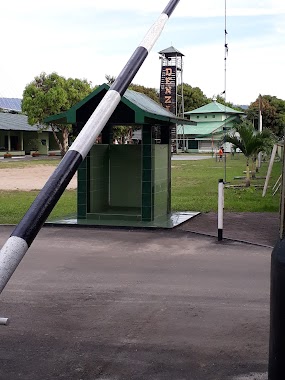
x=214, y=107
x=170, y=52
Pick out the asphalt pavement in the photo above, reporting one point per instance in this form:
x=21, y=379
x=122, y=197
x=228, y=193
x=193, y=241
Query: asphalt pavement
x=111, y=304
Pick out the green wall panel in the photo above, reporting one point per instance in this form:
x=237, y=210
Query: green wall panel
x=161, y=180
x=125, y=175
x=99, y=178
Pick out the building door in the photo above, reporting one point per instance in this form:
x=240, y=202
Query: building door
x=14, y=143
x=193, y=144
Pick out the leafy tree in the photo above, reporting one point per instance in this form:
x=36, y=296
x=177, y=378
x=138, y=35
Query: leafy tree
x=193, y=97
x=250, y=142
x=50, y=94
x=273, y=113
x=149, y=91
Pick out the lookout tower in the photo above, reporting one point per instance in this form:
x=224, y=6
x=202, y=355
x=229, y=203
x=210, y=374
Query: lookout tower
x=171, y=84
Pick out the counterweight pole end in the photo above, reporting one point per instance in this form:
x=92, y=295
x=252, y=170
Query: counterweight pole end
x=4, y=321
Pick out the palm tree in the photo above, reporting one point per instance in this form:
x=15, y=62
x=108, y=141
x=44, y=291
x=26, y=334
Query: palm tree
x=250, y=142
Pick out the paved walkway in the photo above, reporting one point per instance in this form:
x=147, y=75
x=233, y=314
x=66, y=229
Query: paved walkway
x=103, y=304
x=190, y=157
x=253, y=227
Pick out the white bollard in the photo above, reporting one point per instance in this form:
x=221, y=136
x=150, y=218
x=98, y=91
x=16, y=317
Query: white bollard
x=4, y=321
x=220, y=209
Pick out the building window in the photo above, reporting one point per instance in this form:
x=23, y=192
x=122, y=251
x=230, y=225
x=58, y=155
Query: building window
x=206, y=117
x=198, y=117
x=214, y=116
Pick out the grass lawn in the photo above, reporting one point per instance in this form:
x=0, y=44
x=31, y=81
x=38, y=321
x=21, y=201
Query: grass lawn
x=14, y=204
x=194, y=187
x=28, y=163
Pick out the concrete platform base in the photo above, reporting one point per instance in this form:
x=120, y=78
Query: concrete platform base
x=170, y=221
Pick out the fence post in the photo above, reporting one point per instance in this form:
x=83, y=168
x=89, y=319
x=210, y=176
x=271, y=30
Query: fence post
x=276, y=365
x=220, y=209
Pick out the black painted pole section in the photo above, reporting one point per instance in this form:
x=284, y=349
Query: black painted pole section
x=220, y=209
x=22, y=237
x=276, y=366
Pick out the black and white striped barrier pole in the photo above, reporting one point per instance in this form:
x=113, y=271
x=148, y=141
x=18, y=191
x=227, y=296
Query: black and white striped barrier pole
x=220, y=209
x=23, y=235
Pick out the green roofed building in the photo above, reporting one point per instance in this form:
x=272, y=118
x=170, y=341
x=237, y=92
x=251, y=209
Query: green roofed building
x=212, y=120
x=18, y=137
x=125, y=184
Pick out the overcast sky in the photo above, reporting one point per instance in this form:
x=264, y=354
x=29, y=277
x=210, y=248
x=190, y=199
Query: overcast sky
x=91, y=38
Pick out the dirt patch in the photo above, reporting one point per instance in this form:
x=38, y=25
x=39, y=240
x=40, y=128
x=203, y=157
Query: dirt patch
x=29, y=178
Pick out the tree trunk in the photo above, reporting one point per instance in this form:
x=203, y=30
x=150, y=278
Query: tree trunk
x=247, y=181
x=63, y=147
x=253, y=168
x=256, y=166
x=57, y=139
x=65, y=135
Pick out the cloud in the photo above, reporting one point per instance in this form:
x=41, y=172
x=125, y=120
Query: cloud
x=91, y=38
x=203, y=8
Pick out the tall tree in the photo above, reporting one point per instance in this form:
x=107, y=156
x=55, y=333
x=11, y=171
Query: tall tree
x=250, y=142
x=193, y=97
x=273, y=113
x=50, y=94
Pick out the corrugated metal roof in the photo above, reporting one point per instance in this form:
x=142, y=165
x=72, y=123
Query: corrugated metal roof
x=147, y=104
x=208, y=128
x=201, y=128
x=213, y=107
x=16, y=122
x=11, y=104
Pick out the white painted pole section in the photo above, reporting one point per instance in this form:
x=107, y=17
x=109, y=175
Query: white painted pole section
x=220, y=209
x=269, y=170
x=11, y=255
x=96, y=123
x=154, y=32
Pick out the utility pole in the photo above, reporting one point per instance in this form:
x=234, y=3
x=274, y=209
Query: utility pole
x=259, y=126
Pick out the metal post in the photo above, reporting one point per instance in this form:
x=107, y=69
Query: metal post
x=276, y=365
x=220, y=209
x=260, y=128
x=24, y=234
x=269, y=170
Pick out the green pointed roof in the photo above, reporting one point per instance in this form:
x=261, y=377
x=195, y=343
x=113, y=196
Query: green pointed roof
x=214, y=107
x=171, y=51
x=134, y=108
